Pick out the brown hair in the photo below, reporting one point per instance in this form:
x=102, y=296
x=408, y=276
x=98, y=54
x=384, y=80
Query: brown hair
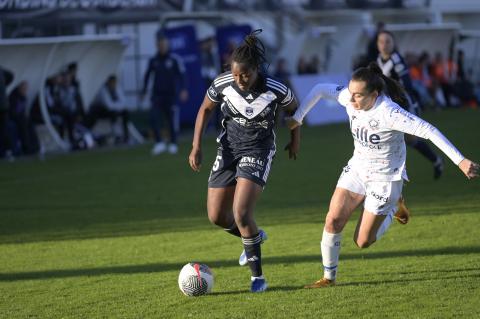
x=376, y=81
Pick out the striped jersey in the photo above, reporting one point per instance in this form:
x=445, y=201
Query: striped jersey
x=249, y=116
x=396, y=69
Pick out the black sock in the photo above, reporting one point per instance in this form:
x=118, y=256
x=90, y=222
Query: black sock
x=425, y=150
x=254, y=254
x=233, y=230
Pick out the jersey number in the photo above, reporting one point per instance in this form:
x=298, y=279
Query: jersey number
x=216, y=165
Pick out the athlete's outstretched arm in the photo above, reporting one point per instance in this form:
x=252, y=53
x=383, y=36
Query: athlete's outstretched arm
x=293, y=146
x=204, y=114
x=411, y=124
x=321, y=90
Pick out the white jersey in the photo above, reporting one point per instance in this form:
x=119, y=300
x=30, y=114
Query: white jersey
x=378, y=133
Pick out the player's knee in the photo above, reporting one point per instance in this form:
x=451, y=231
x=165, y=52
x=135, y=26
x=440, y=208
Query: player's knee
x=242, y=218
x=362, y=242
x=216, y=218
x=334, y=224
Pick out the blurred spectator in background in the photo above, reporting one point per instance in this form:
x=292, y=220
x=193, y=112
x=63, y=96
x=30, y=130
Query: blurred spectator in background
x=6, y=77
x=52, y=101
x=302, y=66
x=421, y=80
x=26, y=136
x=64, y=112
x=314, y=66
x=72, y=69
x=464, y=86
x=225, y=59
x=394, y=67
x=281, y=71
x=72, y=112
x=372, y=49
x=444, y=77
x=169, y=79
x=110, y=104
x=210, y=69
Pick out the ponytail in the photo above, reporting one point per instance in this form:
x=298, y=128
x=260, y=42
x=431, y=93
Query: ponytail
x=376, y=81
x=251, y=51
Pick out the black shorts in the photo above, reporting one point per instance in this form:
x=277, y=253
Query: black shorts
x=254, y=165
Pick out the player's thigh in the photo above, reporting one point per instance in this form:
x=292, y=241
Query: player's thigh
x=220, y=202
x=247, y=193
x=367, y=228
x=342, y=205
x=221, y=188
x=381, y=200
x=348, y=195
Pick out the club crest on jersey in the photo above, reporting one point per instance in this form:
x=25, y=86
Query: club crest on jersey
x=249, y=111
x=373, y=124
x=212, y=91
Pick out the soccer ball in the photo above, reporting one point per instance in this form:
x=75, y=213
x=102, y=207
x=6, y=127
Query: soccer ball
x=195, y=279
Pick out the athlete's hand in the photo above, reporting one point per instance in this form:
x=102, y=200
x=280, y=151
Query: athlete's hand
x=469, y=168
x=291, y=123
x=292, y=149
x=195, y=159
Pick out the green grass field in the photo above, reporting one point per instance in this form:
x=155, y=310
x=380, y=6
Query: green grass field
x=104, y=234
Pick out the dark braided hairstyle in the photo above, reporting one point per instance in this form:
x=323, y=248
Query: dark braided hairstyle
x=251, y=52
x=376, y=81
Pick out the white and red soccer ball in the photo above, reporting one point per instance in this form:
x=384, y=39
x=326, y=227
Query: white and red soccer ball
x=195, y=279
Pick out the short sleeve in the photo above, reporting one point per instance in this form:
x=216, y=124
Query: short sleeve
x=287, y=99
x=284, y=94
x=213, y=93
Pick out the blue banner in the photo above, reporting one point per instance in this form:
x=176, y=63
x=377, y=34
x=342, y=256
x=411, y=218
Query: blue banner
x=325, y=111
x=183, y=41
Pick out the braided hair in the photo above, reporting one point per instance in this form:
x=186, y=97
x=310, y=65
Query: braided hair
x=251, y=52
x=376, y=81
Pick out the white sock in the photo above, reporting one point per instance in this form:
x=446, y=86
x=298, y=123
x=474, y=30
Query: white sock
x=330, y=246
x=252, y=278
x=384, y=226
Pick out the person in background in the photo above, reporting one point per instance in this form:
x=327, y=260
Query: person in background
x=110, y=104
x=27, y=137
x=169, y=79
x=6, y=77
x=210, y=69
x=393, y=66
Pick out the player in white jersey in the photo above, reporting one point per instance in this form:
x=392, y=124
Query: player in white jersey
x=394, y=67
x=249, y=100
x=375, y=173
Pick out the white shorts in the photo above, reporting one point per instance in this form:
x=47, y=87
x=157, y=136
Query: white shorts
x=381, y=197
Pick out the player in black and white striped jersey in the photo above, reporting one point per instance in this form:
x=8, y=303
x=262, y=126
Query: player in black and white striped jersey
x=249, y=100
x=394, y=67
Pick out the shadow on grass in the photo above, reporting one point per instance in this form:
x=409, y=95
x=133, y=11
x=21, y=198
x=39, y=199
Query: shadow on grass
x=291, y=259
x=270, y=289
x=406, y=280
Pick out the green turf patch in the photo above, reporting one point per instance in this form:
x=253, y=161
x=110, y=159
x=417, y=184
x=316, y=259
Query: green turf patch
x=104, y=234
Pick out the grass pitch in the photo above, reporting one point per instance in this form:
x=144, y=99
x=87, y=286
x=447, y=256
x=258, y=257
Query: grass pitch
x=104, y=234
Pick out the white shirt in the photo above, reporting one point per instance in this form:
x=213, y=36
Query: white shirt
x=105, y=98
x=378, y=133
